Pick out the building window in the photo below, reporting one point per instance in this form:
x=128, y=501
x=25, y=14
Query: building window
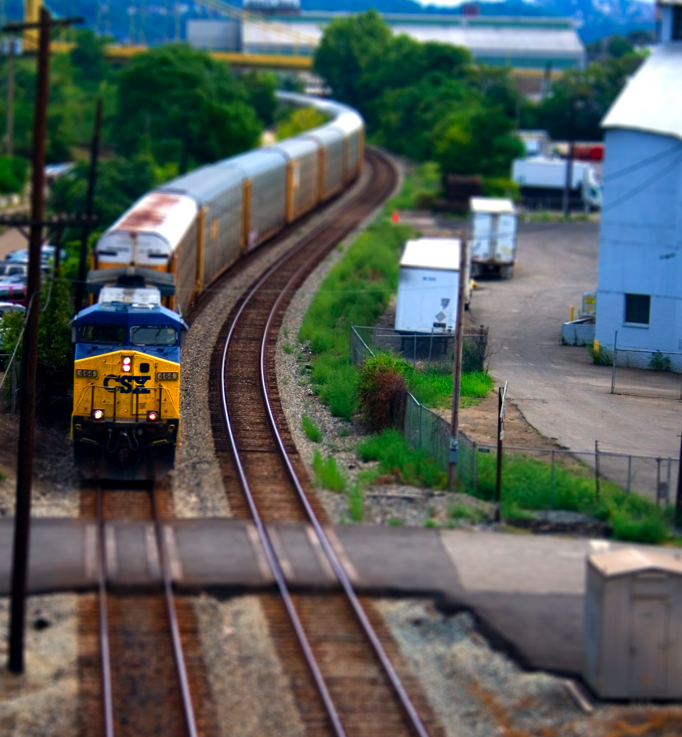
x=637, y=308
x=677, y=23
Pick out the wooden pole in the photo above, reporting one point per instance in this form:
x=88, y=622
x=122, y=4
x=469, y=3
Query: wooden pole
x=457, y=370
x=29, y=361
x=498, y=475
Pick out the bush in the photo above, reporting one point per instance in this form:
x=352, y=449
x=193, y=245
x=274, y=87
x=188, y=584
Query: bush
x=327, y=474
x=419, y=190
x=501, y=187
x=382, y=391
x=660, y=362
x=311, y=429
x=649, y=529
x=13, y=174
x=603, y=358
x=395, y=456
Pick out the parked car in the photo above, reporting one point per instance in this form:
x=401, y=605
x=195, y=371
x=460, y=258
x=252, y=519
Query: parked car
x=11, y=268
x=46, y=255
x=13, y=289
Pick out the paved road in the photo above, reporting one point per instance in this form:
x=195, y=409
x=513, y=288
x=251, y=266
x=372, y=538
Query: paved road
x=11, y=240
x=561, y=393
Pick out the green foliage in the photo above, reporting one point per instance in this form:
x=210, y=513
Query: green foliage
x=425, y=100
x=299, y=121
x=660, y=362
x=189, y=106
x=602, y=358
x=311, y=429
x=396, y=457
x=382, y=391
x=356, y=503
x=327, y=474
x=394, y=522
x=501, y=187
x=420, y=188
x=527, y=485
x=261, y=87
x=287, y=348
x=464, y=512
x=13, y=174
x=55, y=351
x=89, y=61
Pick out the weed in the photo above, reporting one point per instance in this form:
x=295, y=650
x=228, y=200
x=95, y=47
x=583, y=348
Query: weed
x=603, y=358
x=344, y=432
x=285, y=380
x=395, y=456
x=382, y=391
x=394, y=522
x=356, y=502
x=419, y=190
x=649, y=529
x=311, y=429
x=285, y=332
x=327, y=474
x=660, y=362
x=287, y=348
x=431, y=523
x=463, y=511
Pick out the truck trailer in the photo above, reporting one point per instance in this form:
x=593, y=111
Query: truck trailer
x=428, y=286
x=493, y=236
x=542, y=181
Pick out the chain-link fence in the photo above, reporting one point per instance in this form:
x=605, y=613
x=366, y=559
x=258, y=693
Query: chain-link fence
x=644, y=373
x=416, y=348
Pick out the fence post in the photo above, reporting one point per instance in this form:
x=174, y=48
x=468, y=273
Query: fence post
x=629, y=474
x=658, y=482
x=551, y=491
x=420, y=424
x=474, y=475
x=667, y=486
x=415, y=349
x=613, y=369
x=596, y=468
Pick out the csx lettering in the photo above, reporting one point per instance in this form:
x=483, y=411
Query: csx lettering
x=129, y=384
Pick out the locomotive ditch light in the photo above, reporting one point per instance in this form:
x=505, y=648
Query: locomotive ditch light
x=152, y=416
x=126, y=364
x=97, y=414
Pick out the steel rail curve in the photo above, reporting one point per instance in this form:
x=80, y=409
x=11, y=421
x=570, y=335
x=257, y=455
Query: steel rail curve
x=369, y=632
x=105, y=649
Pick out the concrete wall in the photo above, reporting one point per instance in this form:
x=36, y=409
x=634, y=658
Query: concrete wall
x=640, y=248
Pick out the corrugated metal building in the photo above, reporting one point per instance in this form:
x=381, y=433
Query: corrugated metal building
x=522, y=43
x=639, y=290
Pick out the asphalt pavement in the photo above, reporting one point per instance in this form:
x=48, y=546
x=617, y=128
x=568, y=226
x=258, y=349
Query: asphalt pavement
x=558, y=388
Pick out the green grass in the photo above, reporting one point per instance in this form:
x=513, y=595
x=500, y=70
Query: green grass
x=327, y=473
x=356, y=290
x=527, y=485
x=356, y=502
x=287, y=348
x=431, y=523
x=311, y=429
x=421, y=186
x=395, y=456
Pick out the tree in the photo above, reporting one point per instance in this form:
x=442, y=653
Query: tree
x=89, y=60
x=188, y=106
x=261, y=87
x=299, y=121
x=350, y=49
x=477, y=140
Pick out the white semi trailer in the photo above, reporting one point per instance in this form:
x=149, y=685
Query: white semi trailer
x=428, y=286
x=492, y=246
x=542, y=181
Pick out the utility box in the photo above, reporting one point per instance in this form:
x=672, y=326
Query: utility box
x=428, y=286
x=633, y=625
x=493, y=242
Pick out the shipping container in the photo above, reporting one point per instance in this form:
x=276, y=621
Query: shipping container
x=493, y=236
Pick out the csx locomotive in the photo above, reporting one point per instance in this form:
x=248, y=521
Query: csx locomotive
x=151, y=264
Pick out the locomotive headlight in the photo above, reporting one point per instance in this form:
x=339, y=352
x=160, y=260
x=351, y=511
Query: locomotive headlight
x=152, y=416
x=97, y=414
x=126, y=364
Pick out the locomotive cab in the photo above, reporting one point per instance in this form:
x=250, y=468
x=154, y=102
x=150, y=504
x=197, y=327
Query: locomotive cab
x=126, y=402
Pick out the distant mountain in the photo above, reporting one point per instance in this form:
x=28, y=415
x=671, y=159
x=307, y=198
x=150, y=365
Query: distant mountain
x=125, y=19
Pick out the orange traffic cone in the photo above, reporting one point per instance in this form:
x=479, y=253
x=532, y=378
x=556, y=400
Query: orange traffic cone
x=395, y=217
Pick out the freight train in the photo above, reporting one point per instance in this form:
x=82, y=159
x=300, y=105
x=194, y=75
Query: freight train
x=153, y=262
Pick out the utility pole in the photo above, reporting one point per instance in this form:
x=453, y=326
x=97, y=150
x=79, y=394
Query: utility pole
x=92, y=181
x=9, y=125
x=457, y=372
x=569, y=161
x=678, y=497
x=29, y=360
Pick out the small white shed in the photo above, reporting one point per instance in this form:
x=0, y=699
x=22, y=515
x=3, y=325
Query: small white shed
x=633, y=625
x=493, y=236
x=428, y=286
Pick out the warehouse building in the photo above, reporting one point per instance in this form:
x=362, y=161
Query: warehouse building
x=521, y=43
x=639, y=291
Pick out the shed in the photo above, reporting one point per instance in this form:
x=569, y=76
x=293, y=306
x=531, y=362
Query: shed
x=633, y=625
x=493, y=243
x=428, y=286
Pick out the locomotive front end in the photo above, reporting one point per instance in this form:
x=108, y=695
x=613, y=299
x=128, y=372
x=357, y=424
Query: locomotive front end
x=126, y=403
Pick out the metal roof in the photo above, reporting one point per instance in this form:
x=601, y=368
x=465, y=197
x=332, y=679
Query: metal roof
x=651, y=100
x=491, y=204
x=294, y=148
x=633, y=560
x=432, y=253
x=254, y=163
x=205, y=184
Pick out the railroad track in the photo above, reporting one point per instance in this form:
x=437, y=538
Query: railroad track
x=342, y=662
x=140, y=664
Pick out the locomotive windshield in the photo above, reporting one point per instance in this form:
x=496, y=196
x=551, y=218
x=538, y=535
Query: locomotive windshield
x=153, y=335
x=101, y=333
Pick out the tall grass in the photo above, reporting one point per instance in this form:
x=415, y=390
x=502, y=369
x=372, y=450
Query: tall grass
x=312, y=431
x=421, y=186
x=356, y=290
x=327, y=473
x=395, y=456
